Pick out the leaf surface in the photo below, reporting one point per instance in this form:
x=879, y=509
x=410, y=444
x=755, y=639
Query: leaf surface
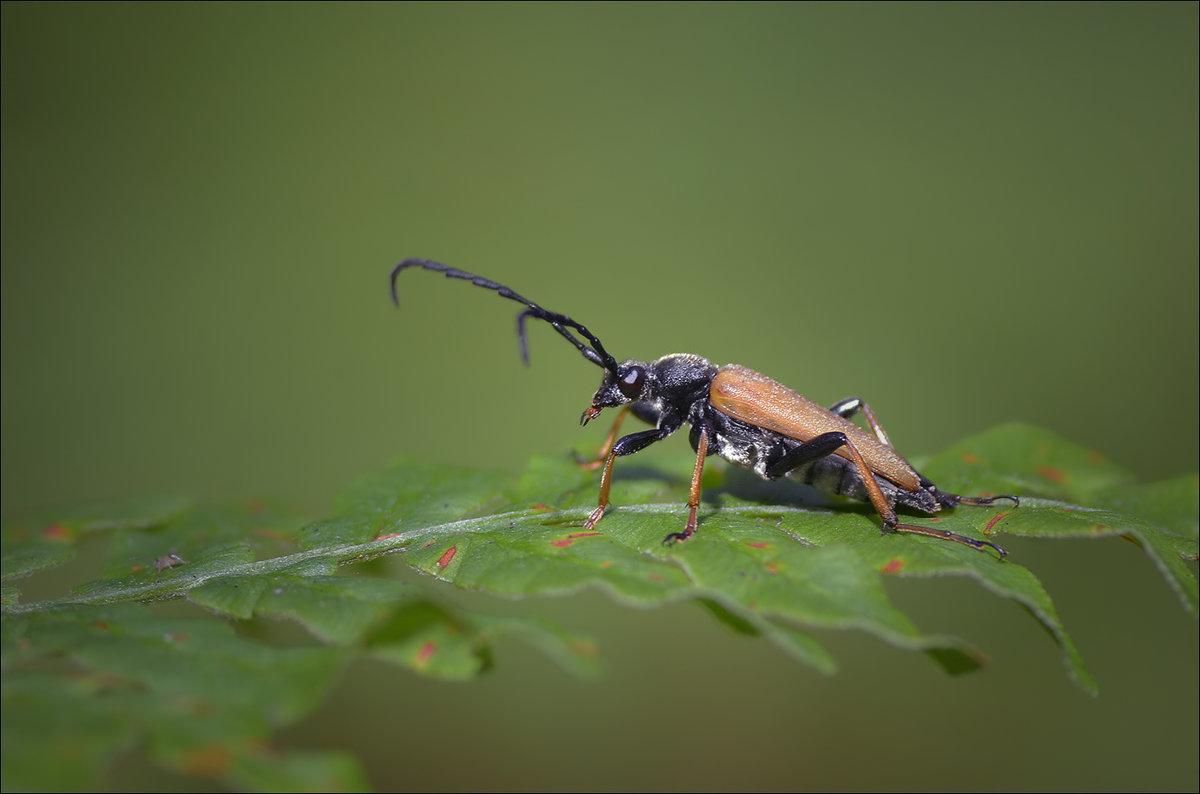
x=102, y=669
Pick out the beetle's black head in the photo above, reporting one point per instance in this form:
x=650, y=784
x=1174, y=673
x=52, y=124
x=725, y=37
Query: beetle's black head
x=627, y=382
x=667, y=387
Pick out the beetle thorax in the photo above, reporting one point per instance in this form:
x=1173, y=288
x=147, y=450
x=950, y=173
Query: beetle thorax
x=681, y=375
x=677, y=381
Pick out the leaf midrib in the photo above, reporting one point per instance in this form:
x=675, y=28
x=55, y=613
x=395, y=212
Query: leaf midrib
x=357, y=552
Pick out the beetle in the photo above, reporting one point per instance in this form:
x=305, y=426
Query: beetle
x=743, y=416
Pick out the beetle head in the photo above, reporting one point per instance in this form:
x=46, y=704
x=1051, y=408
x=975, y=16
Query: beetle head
x=626, y=382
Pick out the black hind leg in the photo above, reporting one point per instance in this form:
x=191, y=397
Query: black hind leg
x=829, y=443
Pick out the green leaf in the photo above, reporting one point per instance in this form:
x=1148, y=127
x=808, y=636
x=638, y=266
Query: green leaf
x=92, y=675
x=100, y=669
x=1085, y=496
x=801, y=565
x=206, y=698
x=48, y=539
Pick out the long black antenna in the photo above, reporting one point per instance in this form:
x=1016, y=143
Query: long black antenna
x=559, y=322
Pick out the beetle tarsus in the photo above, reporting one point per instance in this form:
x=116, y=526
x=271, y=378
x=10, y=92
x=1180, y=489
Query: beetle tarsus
x=978, y=545
x=594, y=517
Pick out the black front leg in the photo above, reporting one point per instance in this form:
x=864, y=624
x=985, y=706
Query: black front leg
x=636, y=442
x=626, y=445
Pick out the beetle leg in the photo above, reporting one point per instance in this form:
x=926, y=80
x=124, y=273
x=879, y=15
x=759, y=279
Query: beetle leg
x=850, y=406
x=694, y=496
x=606, y=447
x=979, y=545
x=826, y=443
x=627, y=445
x=605, y=482
x=815, y=448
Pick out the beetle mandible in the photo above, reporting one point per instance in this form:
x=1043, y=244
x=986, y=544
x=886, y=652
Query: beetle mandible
x=746, y=418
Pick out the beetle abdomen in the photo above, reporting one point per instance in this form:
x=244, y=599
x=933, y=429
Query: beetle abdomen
x=836, y=475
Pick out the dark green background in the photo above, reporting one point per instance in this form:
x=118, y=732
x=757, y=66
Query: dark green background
x=966, y=214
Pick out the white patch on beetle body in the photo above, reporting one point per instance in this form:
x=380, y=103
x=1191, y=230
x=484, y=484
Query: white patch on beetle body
x=741, y=454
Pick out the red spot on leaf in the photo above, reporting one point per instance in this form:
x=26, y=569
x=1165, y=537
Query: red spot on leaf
x=426, y=653
x=210, y=761
x=562, y=543
x=393, y=535
x=428, y=543
x=100, y=624
x=894, y=565
x=970, y=457
x=606, y=564
x=56, y=532
x=136, y=568
x=758, y=544
x=445, y=559
x=540, y=506
x=655, y=577
x=772, y=567
x=1099, y=527
x=1051, y=473
x=993, y=521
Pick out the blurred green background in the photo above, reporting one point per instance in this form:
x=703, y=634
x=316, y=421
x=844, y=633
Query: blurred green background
x=966, y=214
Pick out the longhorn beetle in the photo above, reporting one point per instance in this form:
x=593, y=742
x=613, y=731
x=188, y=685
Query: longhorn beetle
x=746, y=418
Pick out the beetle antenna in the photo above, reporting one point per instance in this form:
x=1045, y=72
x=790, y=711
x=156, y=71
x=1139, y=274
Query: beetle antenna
x=591, y=355
x=559, y=322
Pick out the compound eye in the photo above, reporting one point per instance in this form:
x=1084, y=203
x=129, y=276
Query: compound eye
x=631, y=382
